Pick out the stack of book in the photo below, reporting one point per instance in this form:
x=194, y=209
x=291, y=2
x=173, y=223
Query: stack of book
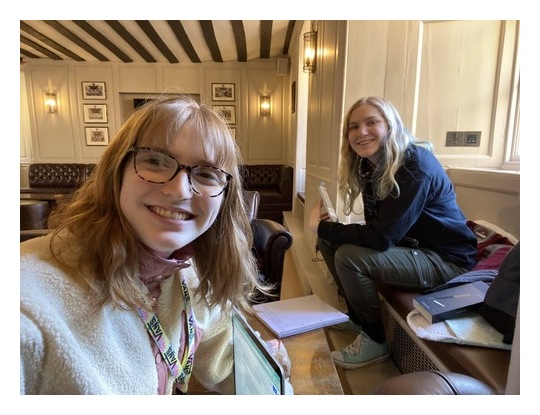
x=451, y=302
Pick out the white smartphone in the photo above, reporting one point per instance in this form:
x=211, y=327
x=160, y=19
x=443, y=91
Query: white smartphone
x=327, y=202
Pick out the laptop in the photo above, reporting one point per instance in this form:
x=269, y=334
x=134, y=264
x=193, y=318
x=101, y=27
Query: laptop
x=256, y=371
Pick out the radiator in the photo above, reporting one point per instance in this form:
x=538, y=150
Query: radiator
x=407, y=354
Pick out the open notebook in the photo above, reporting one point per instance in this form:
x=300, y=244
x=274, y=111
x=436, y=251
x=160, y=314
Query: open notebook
x=256, y=371
x=298, y=315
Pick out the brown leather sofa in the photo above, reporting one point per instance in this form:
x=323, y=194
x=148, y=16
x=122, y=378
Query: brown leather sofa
x=270, y=243
x=61, y=178
x=48, y=183
x=34, y=214
x=433, y=383
x=54, y=181
x=274, y=183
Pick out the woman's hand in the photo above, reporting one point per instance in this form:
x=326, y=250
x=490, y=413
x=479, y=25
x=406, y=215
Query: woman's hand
x=316, y=216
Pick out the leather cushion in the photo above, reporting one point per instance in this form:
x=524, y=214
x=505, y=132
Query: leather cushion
x=433, y=383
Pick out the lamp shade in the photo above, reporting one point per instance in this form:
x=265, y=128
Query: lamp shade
x=265, y=105
x=51, y=103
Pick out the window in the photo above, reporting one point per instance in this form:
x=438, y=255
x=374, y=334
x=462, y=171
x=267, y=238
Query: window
x=512, y=153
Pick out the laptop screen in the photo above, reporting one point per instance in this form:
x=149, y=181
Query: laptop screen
x=256, y=372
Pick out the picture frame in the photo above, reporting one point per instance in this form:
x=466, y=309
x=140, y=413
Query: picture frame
x=228, y=112
x=223, y=92
x=97, y=136
x=95, y=113
x=94, y=90
x=233, y=131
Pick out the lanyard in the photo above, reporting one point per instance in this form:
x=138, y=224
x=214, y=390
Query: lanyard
x=180, y=372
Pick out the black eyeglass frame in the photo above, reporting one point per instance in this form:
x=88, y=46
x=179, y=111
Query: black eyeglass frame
x=135, y=150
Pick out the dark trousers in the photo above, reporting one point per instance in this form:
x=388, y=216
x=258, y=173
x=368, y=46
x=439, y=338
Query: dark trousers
x=356, y=269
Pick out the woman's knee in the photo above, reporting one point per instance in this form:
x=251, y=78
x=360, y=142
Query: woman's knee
x=355, y=256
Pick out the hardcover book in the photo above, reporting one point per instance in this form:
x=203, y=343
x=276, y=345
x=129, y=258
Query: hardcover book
x=451, y=302
x=298, y=315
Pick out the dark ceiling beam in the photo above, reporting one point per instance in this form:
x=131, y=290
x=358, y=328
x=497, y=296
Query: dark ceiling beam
x=266, y=38
x=88, y=28
x=183, y=38
x=40, y=48
x=28, y=54
x=288, y=37
x=147, y=27
x=49, y=42
x=134, y=43
x=210, y=37
x=240, y=39
x=75, y=39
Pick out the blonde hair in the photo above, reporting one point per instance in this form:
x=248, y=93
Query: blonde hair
x=394, y=146
x=106, y=246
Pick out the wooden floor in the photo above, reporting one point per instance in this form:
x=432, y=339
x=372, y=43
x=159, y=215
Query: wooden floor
x=354, y=382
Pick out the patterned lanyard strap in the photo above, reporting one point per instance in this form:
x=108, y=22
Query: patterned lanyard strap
x=181, y=373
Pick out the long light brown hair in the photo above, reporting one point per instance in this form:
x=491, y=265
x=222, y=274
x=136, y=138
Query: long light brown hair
x=393, y=149
x=104, y=243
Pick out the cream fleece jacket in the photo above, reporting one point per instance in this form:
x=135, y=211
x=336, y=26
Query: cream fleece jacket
x=68, y=349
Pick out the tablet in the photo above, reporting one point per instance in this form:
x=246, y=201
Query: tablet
x=256, y=371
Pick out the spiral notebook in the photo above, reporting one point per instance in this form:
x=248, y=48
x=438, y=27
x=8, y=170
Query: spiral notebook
x=298, y=315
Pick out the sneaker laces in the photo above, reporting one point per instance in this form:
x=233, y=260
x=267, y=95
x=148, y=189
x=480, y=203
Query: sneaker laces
x=356, y=345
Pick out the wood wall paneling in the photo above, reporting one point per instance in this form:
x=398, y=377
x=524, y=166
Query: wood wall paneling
x=265, y=139
x=52, y=128
x=459, y=69
x=61, y=137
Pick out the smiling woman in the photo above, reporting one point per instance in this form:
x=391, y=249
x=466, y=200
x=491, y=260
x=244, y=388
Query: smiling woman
x=159, y=229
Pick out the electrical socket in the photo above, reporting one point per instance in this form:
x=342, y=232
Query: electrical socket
x=454, y=139
x=471, y=138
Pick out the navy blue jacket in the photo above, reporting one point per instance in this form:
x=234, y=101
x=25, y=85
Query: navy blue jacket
x=426, y=210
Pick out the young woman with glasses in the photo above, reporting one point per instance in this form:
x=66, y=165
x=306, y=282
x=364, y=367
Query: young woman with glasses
x=130, y=294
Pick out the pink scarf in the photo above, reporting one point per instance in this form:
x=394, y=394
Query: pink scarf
x=154, y=269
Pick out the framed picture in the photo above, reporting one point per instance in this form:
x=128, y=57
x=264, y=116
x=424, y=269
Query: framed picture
x=222, y=92
x=95, y=113
x=233, y=131
x=228, y=112
x=97, y=136
x=93, y=90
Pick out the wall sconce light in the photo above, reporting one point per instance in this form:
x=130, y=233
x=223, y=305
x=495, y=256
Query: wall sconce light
x=310, y=51
x=265, y=105
x=51, y=103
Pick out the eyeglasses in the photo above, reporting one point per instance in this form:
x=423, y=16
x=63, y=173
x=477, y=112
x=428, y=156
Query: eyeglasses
x=158, y=166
